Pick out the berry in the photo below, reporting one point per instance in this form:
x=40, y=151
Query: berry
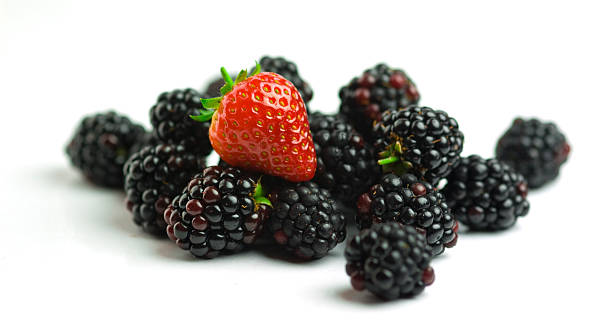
x=389, y=260
x=147, y=138
x=346, y=164
x=287, y=69
x=420, y=140
x=260, y=123
x=153, y=177
x=220, y=211
x=171, y=122
x=535, y=149
x=378, y=89
x=410, y=201
x=306, y=220
x=100, y=146
x=486, y=195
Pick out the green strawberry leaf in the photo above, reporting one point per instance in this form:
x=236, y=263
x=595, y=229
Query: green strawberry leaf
x=212, y=103
x=204, y=116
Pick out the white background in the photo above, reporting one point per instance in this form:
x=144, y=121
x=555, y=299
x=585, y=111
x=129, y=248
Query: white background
x=72, y=261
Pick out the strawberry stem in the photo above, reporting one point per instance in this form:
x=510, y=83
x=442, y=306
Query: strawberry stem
x=227, y=77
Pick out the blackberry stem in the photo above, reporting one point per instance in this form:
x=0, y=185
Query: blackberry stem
x=260, y=195
x=388, y=160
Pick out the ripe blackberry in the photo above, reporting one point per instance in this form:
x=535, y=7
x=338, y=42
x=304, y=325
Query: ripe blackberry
x=421, y=140
x=410, y=201
x=148, y=138
x=153, y=177
x=486, y=194
x=378, y=89
x=282, y=66
x=306, y=220
x=389, y=260
x=100, y=146
x=172, y=124
x=346, y=164
x=535, y=149
x=220, y=211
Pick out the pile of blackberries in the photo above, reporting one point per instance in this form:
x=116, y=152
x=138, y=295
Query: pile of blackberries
x=385, y=165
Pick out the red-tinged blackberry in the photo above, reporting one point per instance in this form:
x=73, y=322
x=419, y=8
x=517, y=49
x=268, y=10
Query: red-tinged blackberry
x=378, y=89
x=419, y=140
x=346, y=164
x=220, y=211
x=389, y=260
x=535, y=149
x=486, y=194
x=408, y=200
x=101, y=145
x=172, y=124
x=153, y=177
x=306, y=220
x=282, y=66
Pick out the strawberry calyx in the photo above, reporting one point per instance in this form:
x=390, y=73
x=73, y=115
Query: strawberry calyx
x=212, y=104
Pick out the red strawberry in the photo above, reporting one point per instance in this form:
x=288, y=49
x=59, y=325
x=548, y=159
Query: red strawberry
x=260, y=123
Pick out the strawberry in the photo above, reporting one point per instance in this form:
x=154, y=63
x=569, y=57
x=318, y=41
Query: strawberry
x=260, y=123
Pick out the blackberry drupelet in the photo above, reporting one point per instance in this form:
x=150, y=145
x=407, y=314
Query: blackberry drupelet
x=305, y=219
x=378, y=89
x=346, y=164
x=389, y=260
x=282, y=66
x=153, y=177
x=409, y=201
x=486, y=195
x=535, y=149
x=101, y=145
x=420, y=140
x=172, y=124
x=220, y=211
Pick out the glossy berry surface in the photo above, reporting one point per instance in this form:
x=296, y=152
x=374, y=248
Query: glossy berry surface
x=346, y=163
x=101, y=145
x=172, y=124
x=216, y=213
x=408, y=200
x=306, y=221
x=389, y=260
x=427, y=142
x=153, y=177
x=261, y=125
x=535, y=149
x=486, y=194
x=378, y=89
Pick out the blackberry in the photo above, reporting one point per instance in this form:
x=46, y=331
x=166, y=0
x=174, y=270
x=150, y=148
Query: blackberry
x=409, y=201
x=101, y=145
x=148, y=138
x=172, y=124
x=220, y=211
x=535, y=149
x=378, y=89
x=486, y=194
x=282, y=66
x=389, y=260
x=421, y=140
x=346, y=164
x=153, y=177
x=306, y=220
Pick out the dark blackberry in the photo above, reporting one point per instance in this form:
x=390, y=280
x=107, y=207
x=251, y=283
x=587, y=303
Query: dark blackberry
x=147, y=138
x=101, y=145
x=535, y=149
x=306, y=220
x=421, y=140
x=220, y=211
x=172, y=124
x=153, y=177
x=346, y=164
x=380, y=88
x=389, y=260
x=279, y=65
x=486, y=194
x=410, y=201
